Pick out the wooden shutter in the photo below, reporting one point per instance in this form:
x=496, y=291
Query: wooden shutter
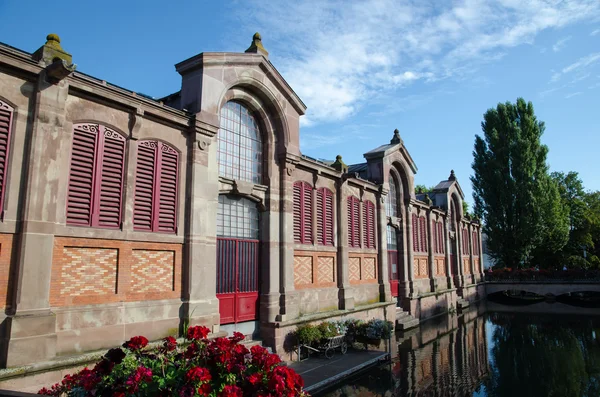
x=144, y=185
x=82, y=174
x=6, y=120
x=298, y=212
x=475, y=244
x=306, y=213
x=168, y=170
x=422, y=226
x=324, y=216
x=369, y=224
x=353, y=222
x=111, y=179
x=440, y=231
x=320, y=217
x=415, y=233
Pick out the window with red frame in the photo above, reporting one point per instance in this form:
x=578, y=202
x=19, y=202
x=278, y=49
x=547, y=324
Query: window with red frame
x=6, y=121
x=368, y=224
x=239, y=150
x=324, y=216
x=303, y=213
x=423, y=233
x=436, y=248
x=475, y=244
x=353, y=222
x=155, y=203
x=441, y=240
x=94, y=196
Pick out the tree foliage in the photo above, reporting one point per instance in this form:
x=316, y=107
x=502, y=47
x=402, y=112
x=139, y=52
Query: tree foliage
x=512, y=191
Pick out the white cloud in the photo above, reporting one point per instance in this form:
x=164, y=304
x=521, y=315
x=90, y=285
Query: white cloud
x=338, y=53
x=560, y=44
x=571, y=95
x=595, y=32
x=577, y=66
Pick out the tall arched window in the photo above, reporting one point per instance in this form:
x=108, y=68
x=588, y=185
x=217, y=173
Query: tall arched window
x=240, y=146
x=237, y=217
x=391, y=205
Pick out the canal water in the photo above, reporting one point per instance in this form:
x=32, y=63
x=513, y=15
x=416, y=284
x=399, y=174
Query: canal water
x=489, y=353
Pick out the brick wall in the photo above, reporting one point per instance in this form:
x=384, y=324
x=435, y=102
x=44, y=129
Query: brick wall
x=466, y=266
x=6, y=250
x=362, y=268
x=93, y=271
x=314, y=269
x=440, y=266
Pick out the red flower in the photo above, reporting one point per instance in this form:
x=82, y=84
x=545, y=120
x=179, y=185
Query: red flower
x=237, y=337
x=186, y=391
x=255, y=378
x=104, y=367
x=191, y=351
x=170, y=343
x=115, y=355
x=205, y=389
x=198, y=374
x=118, y=394
x=141, y=374
x=231, y=391
x=136, y=343
x=198, y=332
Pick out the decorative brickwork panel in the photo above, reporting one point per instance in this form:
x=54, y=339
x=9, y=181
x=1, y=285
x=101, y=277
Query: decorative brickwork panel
x=6, y=242
x=152, y=271
x=466, y=266
x=440, y=266
x=326, y=270
x=303, y=270
x=354, y=269
x=89, y=271
x=368, y=271
x=420, y=268
x=476, y=263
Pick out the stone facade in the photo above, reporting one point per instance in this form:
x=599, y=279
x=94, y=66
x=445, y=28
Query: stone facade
x=69, y=289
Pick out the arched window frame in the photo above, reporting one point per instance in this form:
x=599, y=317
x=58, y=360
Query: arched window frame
x=303, y=207
x=325, y=220
x=240, y=146
x=475, y=243
x=156, y=187
x=391, y=205
x=6, y=126
x=96, y=173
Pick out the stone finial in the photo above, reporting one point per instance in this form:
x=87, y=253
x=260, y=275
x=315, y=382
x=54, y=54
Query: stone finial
x=52, y=51
x=396, y=139
x=428, y=200
x=339, y=165
x=452, y=177
x=256, y=46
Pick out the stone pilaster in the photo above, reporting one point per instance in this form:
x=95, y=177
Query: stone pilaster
x=447, y=247
x=32, y=324
x=385, y=292
x=201, y=305
x=471, y=256
x=409, y=265
x=288, y=301
x=346, y=292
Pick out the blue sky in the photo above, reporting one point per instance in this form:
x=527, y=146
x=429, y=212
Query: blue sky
x=429, y=68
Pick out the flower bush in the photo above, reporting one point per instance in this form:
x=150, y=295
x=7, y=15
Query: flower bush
x=218, y=368
x=355, y=330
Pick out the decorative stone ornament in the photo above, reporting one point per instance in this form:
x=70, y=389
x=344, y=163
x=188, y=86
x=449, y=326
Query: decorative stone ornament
x=339, y=165
x=58, y=62
x=452, y=177
x=256, y=47
x=396, y=139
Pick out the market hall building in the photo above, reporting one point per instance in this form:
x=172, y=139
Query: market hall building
x=123, y=215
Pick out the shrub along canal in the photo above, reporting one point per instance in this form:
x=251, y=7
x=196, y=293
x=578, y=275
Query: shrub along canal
x=490, y=353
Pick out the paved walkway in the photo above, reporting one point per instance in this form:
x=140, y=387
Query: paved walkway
x=319, y=372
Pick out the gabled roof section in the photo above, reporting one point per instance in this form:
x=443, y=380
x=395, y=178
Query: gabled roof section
x=396, y=144
x=205, y=59
x=444, y=186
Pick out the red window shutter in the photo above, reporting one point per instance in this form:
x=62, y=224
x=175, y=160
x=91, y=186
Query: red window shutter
x=423, y=225
x=82, y=174
x=353, y=222
x=328, y=210
x=415, y=227
x=365, y=225
x=373, y=225
x=144, y=185
x=111, y=179
x=369, y=224
x=307, y=213
x=321, y=217
x=168, y=170
x=298, y=212
x=6, y=119
x=441, y=237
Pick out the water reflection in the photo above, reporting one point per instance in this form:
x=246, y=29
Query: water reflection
x=491, y=355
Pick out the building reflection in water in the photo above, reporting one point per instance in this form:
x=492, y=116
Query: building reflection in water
x=447, y=357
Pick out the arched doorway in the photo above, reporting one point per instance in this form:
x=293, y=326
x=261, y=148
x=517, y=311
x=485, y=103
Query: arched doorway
x=240, y=155
x=394, y=235
x=453, y=227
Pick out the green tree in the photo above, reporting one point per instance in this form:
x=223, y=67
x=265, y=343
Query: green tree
x=423, y=188
x=512, y=190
